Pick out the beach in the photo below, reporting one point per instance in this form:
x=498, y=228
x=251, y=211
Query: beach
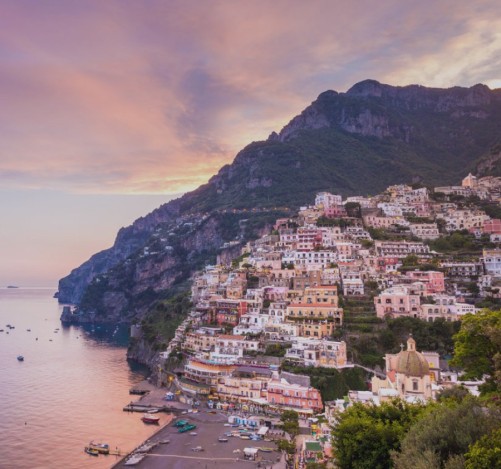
x=197, y=449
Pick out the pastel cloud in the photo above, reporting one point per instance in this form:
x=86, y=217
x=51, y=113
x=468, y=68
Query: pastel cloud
x=153, y=97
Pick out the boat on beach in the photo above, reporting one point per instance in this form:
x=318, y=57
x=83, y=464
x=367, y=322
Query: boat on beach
x=150, y=418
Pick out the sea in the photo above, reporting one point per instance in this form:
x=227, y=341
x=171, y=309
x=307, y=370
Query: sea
x=70, y=388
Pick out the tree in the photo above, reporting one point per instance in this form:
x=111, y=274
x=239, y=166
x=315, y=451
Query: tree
x=477, y=346
x=287, y=446
x=290, y=419
x=455, y=393
x=410, y=260
x=353, y=209
x=440, y=439
x=485, y=453
x=366, y=434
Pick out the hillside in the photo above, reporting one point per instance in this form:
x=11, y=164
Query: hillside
x=356, y=142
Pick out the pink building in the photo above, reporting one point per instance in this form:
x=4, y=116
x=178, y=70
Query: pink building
x=336, y=211
x=492, y=226
x=433, y=280
x=387, y=264
x=396, y=302
x=295, y=396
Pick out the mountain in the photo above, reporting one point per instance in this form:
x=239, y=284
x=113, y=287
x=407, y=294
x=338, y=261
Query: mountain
x=357, y=142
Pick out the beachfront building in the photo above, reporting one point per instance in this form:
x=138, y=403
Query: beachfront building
x=201, y=376
x=247, y=383
x=303, y=399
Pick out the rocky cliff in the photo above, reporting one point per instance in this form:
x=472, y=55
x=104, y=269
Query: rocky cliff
x=356, y=142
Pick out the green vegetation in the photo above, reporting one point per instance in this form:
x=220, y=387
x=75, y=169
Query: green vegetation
x=485, y=453
x=165, y=316
x=368, y=347
x=276, y=350
x=331, y=383
x=442, y=437
x=478, y=347
x=459, y=242
x=341, y=222
x=290, y=422
x=366, y=435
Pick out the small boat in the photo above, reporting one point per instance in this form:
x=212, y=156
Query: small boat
x=150, y=418
x=244, y=437
x=101, y=448
x=91, y=451
x=222, y=439
x=266, y=450
x=28, y=330
x=193, y=433
x=20, y=358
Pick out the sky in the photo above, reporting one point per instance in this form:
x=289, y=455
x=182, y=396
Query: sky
x=110, y=108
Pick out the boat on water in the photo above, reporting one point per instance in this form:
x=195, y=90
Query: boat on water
x=222, y=439
x=20, y=358
x=266, y=450
x=101, y=448
x=150, y=418
x=91, y=451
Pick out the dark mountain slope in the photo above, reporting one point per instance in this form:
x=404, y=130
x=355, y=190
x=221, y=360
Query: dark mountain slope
x=350, y=143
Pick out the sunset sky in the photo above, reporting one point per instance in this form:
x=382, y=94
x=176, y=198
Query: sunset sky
x=109, y=108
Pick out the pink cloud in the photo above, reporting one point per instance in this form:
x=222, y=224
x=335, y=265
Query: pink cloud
x=155, y=96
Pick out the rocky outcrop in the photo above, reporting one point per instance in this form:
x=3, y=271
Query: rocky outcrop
x=368, y=109
x=143, y=352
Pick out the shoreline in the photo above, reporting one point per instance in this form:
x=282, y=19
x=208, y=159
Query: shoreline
x=167, y=448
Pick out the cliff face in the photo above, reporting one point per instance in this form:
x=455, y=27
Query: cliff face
x=127, y=242
x=369, y=108
x=356, y=142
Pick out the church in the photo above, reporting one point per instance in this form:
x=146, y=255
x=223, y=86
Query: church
x=410, y=375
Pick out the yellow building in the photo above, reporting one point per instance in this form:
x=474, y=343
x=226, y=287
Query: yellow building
x=317, y=311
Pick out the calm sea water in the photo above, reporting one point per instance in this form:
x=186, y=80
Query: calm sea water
x=70, y=389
